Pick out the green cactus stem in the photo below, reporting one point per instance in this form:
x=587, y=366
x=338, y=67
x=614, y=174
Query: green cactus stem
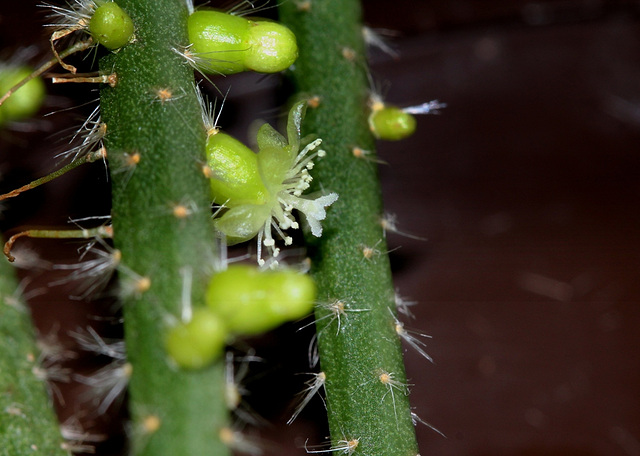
x=152, y=114
x=360, y=352
x=28, y=424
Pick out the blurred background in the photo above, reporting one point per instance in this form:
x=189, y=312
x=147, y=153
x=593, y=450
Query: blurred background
x=526, y=188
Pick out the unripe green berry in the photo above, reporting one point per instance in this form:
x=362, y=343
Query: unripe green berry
x=391, y=123
x=230, y=44
x=252, y=302
x=24, y=102
x=235, y=170
x=111, y=26
x=199, y=342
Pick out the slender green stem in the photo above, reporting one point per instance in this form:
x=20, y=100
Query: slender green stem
x=89, y=158
x=153, y=114
x=360, y=352
x=101, y=231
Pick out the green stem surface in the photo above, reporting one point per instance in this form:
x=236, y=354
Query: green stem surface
x=153, y=111
x=357, y=349
x=28, y=424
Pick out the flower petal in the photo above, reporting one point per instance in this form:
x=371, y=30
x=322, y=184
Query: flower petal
x=293, y=124
x=269, y=137
x=273, y=165
x=243, y=222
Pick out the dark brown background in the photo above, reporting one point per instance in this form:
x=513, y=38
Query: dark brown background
x=526, y=187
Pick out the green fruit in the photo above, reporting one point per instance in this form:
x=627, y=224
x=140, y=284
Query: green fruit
x=236, y=179
x=24, y=102
x=227, y=44
x=251, y=301
x=111, y=26
x=391, y=123
x=197, y=343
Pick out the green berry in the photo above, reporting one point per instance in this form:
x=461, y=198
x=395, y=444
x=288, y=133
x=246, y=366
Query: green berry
x=228, y=44
x=111, y=26
x=391, y=123
x=252, y=302
x=235, y=170
x=199, y=342
x=237, y=184
x=24, y=102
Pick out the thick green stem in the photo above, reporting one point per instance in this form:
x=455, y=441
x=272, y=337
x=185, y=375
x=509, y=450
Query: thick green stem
x=152, y=114
x=360, y=352
x=28, y=424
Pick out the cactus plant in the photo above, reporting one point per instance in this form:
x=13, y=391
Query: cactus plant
x=359, y=350
x=27, y=422
x=151, y=122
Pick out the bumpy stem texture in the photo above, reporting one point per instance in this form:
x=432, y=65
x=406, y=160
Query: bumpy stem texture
x=360, y=352
x=152, y=114
x=28, y=424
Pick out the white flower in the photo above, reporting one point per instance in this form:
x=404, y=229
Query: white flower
x=260, y=191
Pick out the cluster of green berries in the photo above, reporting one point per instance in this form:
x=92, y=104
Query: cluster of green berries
x=258, y=192
x=220, y=42
x=242, y=300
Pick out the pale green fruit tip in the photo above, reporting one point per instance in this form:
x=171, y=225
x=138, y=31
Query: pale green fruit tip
x=111, y=26
x=273, y=47
x=24, y=102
